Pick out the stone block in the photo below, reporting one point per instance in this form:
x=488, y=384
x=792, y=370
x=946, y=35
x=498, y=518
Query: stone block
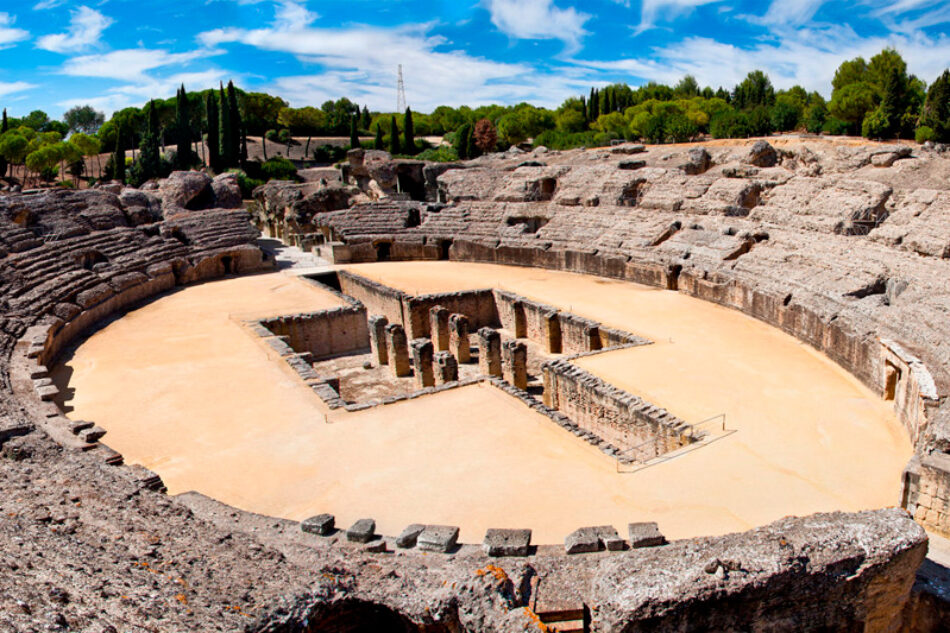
x=489, y=352
x=446, y=368
x=438, y=538
x=592, y=539
x=362, y=531
x=459, y=344
x=397, y=349
x=322, y=524
x=377, y=546
x=377, y=339
x=422, y=363
x=93, y=434
x=409, y=536
x=645, y=535
x=514, y=364
x=499, y=542
x=439, y=328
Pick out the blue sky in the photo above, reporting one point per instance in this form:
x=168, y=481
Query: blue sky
x=116, y=53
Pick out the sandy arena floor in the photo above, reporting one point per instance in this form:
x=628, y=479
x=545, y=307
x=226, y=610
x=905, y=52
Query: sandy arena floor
x=209, y=409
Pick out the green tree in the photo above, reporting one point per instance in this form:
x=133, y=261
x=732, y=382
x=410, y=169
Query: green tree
x=149, y=163
x=936, y=110
x=87, y=145
x=852, y=102
x=354, y=132
x=37, y=119
x=118, y=158
x=815, y=115
x=462, y=139
x=894, y=103
x=410, y=133
x=687, y=87
x=85, y=119
x=226, y=127
x=4, y=127
x=784, y=115
x=237, y=126
x=366, y=119
x=183, y=157
x=393, y=137
x=378, y=143
x=42, y=161
x=261, y=111
x=755, y=90
x=213, y=113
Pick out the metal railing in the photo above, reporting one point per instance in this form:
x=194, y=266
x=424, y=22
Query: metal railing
x=695, y=432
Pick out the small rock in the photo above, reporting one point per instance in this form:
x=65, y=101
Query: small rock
x=438, y=538
x=645, y=535
x=377, y=546
x=409, y=536
x=362, y=531
x=507, y=542
x=762, y=155
x=322, y=524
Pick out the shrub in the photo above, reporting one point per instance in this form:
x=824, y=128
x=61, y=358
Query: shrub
x=760, y=121
x=876, y=124
x=730, y=124
x=924, y=134
x=553, y=139
x=679, y=129
x=279, y=168
x=440, y=154
x=835, y=126
x=329, y=154
x=246, y=183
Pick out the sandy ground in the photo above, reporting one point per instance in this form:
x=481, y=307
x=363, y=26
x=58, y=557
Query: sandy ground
x=222, y=417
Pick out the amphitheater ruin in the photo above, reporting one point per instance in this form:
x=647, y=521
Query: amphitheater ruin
x=689, y=388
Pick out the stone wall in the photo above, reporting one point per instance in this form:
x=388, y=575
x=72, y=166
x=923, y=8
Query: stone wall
x=377, y=298
x=619, y=417
x=323, y=334
x=477, y=305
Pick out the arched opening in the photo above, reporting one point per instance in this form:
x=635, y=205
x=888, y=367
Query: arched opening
x=361, y=617
x=228, y=263
x=445, y=247
x=383, y=251
x=892, y=377
x=89, y=259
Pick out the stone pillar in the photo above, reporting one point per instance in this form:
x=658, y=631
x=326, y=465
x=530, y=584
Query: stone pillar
x=397, y=348
x=514, y=364
x=446, y=368
x=458, y=338
x=551, y=329
x=521, y=320
x=422, y=362
x=439, y=328
x=489, y=352
x=377, y=339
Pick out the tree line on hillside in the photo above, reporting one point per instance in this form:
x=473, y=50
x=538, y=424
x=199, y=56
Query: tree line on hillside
x=876, y=98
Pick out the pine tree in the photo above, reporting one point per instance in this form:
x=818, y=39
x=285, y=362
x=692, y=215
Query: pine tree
x=226, y=138
x=378, y=143
x=936, y=112
x=236, y=126
x=183, y=125
x=393, y=137
x=410, y=133
x=892, y=105
x=354, y=133
x=118, y=158
x=214, y=132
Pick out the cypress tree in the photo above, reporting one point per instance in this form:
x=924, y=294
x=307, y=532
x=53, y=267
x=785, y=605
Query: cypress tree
x=149, y=161
x=183, y=123
x=118, y=158
x=378, y=144
x=243, y=146
x=354, y=133
x=410, y=133
x=366, y=120
x=462, y=140
x=471, y=148
x=584, y=110
x=892, y=105
x=214, y=132
x=226, y=139
x=593, y=105
x=3, y=128
x=393, y=137
x=236, y=126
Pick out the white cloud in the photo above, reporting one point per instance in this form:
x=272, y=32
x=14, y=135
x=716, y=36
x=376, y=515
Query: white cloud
x=808, y=57
x=136, y=94
x=360, y=62
x=667, y=9
x=85, y=28
x=9, y=88
x=789, y=12
x=128, y=65
x=537, y=20
x=9, y=35
x=48, y=4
